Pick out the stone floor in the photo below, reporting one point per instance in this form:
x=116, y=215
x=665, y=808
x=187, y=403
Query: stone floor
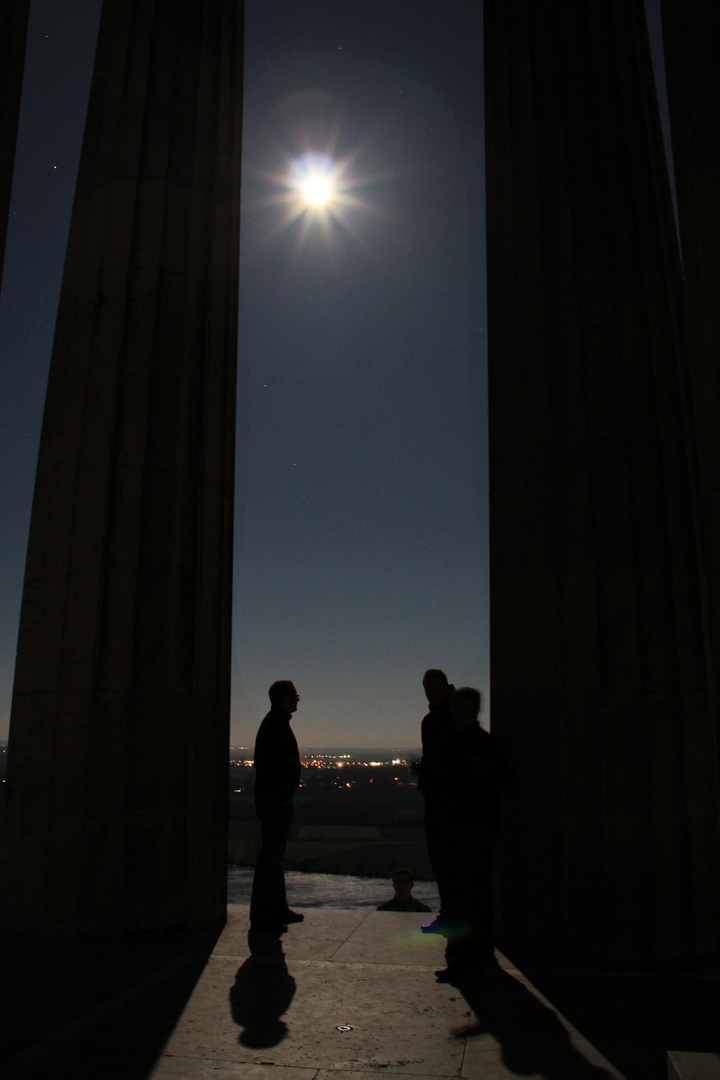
x=345, y=994
x=352, y=992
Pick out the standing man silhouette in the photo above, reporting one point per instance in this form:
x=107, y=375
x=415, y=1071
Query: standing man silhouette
x=436, y=784
x=479, y=769
x=461, y=772
x=277, y=776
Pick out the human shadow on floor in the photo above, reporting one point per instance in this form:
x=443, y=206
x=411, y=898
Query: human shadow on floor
x=532, y=1040
x=262, y=992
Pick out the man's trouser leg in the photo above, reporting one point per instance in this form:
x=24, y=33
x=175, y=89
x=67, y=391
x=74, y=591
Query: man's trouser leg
x=475, y=944
x=438, y=833
x=268, y=903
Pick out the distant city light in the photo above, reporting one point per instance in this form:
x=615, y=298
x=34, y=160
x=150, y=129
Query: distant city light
x=319, y=767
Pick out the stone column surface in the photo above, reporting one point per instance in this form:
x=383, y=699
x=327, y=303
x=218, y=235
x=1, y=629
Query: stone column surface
x=13, y=35
x=602, y=688
x=115, y=814
x=691, y=35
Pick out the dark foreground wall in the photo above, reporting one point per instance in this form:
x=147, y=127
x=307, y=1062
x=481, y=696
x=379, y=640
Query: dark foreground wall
x=122, y=679
x=692, y=31
x=602, y=668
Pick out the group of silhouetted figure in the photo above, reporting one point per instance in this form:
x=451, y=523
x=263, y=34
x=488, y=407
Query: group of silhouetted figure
x=460, y=775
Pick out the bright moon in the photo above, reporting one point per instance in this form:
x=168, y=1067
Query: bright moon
x=317, y=190
x=313, y=177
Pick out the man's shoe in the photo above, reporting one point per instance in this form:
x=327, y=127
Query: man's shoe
x=293, y=916
x=269, y=927
x=437, y=926
x=470, y=969
x=457, y=973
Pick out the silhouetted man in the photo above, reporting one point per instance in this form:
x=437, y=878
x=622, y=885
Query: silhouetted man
x=478, y=768
x=436, y=784
x=277, y=776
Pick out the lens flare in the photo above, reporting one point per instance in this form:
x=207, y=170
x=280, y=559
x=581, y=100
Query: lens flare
x=312, y=176
x=318, y=196
x=317, y=190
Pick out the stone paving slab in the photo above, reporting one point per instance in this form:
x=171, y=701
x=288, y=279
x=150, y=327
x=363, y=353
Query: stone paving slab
x=259, y=1012
x=393, y=937
x=182, y=1068
x=282, y=1005
x=691, y=1066
x=318, y=938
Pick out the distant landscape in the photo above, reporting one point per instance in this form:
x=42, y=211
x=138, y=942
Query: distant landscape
x=357, y=812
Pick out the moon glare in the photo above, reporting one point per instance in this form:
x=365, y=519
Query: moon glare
x=317, y=190
x=313, y=177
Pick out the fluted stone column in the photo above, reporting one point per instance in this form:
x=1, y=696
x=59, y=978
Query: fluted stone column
x=115, y=814
x=691, y=33
x=602, y=684
x=13, y=34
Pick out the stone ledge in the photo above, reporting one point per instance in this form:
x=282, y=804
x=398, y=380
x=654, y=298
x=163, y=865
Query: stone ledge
x=683, y=1065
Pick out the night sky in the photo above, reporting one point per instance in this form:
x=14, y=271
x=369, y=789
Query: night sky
x=361, y=552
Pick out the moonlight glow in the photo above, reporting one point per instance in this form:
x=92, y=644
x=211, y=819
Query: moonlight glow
x=317, y=190
x=318, y=193
x=312, y=177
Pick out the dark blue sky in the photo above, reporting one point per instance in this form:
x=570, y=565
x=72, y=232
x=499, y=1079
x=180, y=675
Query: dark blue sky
x=361, y=515
x=361, y=530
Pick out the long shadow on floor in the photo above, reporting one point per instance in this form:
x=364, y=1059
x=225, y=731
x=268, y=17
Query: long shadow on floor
x=262, y=993
x=89, y=1009
x=532, y=1039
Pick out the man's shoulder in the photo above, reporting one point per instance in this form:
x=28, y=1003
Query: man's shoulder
x=436, y=722
x=477, y=733
x=417, y=905
x=475, y=739
x=270, y=729
x=275, y=717
x=265, y=723
x=440, y=714
x=488, y=746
